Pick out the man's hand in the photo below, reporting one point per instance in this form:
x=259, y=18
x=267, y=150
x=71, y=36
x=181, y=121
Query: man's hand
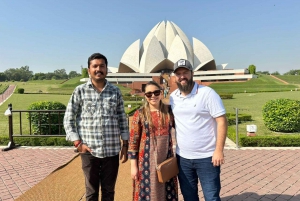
x=83, y=148
x=218, y=158
x=124, y=154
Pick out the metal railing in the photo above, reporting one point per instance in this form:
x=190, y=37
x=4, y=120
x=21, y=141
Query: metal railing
x=36, y=126
x=34, y=129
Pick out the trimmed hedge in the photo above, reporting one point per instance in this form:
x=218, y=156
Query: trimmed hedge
x=241, y=117
x=270, y=141
x=40, y=120
x=20, y=91
x=226, y=96
x=37, y=141
x=132, y=98
x=282, y=115
x=132, y=110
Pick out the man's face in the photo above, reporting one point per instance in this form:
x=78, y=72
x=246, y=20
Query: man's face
x=97, y=70
x=184, y=79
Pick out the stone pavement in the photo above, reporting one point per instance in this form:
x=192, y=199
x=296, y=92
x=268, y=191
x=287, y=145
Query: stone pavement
x=249, y=174
x=9, y=91
x=23, y=167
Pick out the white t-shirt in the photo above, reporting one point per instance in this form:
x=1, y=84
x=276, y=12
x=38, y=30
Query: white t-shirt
x=196, y=128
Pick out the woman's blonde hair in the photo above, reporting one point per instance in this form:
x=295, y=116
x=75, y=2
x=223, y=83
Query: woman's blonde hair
x=163, y=108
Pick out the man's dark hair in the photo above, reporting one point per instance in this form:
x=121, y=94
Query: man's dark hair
x=96, y=56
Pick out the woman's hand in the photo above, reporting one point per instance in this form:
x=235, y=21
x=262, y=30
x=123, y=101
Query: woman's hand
x=134, y=172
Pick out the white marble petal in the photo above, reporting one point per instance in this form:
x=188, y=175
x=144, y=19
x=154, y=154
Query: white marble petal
x=186, y=41
x=160, y=34
x=148, y=39
x=177, y=50
x=153, y=55
x=221, y=66
x=131, y=56
x=170, y=35
x=202, y=55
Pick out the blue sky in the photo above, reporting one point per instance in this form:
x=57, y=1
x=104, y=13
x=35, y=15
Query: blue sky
x=50, y=35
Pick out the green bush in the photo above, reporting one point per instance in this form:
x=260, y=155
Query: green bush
x=20, y=91
x=270, y=141
x=226, y=96
x=241, y=117
x=37, y=141
x=131, y=98
x=132, y=110
x=282, y=115
x=46, y=123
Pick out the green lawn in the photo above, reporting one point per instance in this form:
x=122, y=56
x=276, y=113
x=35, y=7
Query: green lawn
x=21, y=102
x=3, y=87
x=291, y=79
x=264, y=83
x=252, y=103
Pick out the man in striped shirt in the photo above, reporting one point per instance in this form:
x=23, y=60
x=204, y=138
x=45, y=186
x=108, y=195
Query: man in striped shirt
x=95, y=121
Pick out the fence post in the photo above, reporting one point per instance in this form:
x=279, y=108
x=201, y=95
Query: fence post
x=11, y=143
x=237, y=127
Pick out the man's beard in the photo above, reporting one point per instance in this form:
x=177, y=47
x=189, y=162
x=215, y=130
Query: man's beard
x=186, y=88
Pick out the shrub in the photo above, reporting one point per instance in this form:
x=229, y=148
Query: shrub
x=21, y=91
x=282, y=115
x=46, y=123
x=226, y=96
x=37, y=141
x=241, y=117
x=270, y=141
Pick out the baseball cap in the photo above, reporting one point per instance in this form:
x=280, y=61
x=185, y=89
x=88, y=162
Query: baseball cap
x=183, y=63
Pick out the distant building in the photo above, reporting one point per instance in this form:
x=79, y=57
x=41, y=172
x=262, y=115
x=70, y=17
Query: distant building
x=165, y=44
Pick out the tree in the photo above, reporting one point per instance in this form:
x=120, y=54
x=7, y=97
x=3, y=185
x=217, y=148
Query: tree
x=263, y=72
x=293, y=72
x=275, y=73
x=60, y=74
x=252, y=69
x=73, y=74
x=18, y=74
x=2, y=77
x=84, y=72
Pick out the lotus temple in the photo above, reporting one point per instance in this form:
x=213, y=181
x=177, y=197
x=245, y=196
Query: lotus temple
x=153, y=59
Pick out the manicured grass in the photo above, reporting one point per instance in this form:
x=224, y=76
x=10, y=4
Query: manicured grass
x=264, y=83
x=3, y=87
x=291, y=79
x=21, y=102
x=252, y=103
x=36, y=86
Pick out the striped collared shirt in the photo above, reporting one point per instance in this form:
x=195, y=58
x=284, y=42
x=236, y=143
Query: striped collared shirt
x=97, y=118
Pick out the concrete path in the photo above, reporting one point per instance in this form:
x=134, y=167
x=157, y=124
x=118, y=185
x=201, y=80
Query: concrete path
x=249, y=174
x=8, y=92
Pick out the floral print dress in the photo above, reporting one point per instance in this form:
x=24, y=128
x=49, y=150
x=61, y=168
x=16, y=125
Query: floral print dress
x=141, y=147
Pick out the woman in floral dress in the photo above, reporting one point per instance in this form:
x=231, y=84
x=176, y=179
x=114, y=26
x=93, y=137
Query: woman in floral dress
x=156, y=118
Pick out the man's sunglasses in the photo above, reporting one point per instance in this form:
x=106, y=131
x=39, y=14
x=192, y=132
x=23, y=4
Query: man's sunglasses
x=149, y=94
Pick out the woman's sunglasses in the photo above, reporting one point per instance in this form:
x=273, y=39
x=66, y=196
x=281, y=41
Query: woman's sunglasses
x=149, y=94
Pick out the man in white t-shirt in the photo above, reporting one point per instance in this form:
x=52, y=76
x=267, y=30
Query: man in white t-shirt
x=201, y=129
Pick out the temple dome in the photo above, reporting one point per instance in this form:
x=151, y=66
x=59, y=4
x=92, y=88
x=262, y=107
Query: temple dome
x=165, y=44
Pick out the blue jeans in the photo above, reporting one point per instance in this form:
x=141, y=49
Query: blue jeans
x=192, y=169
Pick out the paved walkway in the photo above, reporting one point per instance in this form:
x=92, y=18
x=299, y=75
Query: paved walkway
x=249, y=174
x=8, y=92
